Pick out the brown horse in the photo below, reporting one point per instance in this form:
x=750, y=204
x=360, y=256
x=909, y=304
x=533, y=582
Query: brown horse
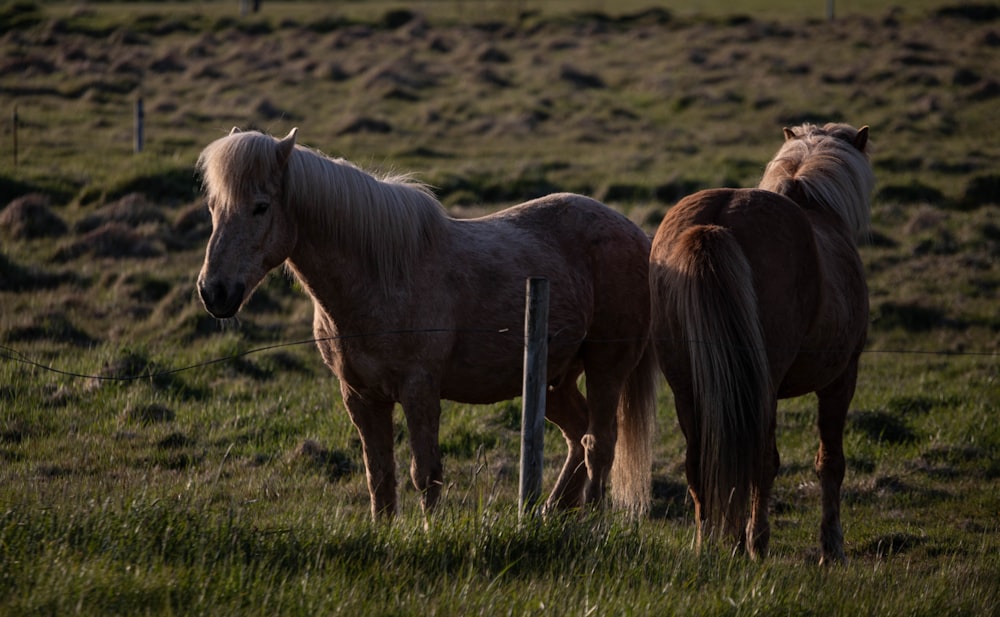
x=758, y=295
x=412, y=306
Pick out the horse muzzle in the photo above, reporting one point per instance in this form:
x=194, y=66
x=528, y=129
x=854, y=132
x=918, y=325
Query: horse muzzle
x=219, y=300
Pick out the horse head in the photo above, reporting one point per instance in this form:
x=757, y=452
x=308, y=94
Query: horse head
x=856, y=137
x=826, y=167
x=252, y=231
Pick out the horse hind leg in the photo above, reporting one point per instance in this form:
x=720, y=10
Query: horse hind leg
x=758, y=530
x=567, y=409
x=834, y=401
x=602, y=434
x=685, y=409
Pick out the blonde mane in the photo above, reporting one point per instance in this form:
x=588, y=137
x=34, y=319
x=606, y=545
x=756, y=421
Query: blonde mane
x=387, y=221
x=830, y=172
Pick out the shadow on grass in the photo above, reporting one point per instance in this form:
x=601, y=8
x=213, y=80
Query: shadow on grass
x=881, y=427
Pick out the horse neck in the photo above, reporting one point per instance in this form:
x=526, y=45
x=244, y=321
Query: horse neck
x=841, y=194
x=359, y=238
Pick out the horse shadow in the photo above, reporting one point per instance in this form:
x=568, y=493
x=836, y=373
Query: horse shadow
x=671, y=500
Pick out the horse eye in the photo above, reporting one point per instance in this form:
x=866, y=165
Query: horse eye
x=260, y=208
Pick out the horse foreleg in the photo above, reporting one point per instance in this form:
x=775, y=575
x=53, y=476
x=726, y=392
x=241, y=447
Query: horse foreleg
x=566, y=408
x=423, y=420
x=834, y=401
x=374, y=423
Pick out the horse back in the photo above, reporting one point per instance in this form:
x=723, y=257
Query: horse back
x=805, y=288
x=600, y=250
x=596, y=262
x=577, y=242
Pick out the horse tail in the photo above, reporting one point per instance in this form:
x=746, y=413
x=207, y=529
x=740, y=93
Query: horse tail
x=632, y=471
x=717, y=306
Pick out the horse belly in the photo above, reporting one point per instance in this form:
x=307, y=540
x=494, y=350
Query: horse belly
x=488, y=376
x=475, y=383
x=811, y=372
x=825, y=355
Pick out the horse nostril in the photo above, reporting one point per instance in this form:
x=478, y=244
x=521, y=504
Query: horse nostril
x=219, y=300
x=212, y=295
x=219, y=293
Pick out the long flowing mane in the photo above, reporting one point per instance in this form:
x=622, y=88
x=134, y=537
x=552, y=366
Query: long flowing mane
x=823, y=165
x=385, y=220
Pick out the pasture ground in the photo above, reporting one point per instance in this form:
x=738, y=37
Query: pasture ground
x=236, y=487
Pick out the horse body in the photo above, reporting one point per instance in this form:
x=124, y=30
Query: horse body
x=475, y=319
x=756, y=298
x=412, y=306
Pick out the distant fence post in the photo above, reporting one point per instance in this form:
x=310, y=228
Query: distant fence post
x=140, y=118
x=13, y=130
x=829, y=10
x=536, y=351
x=249, y=6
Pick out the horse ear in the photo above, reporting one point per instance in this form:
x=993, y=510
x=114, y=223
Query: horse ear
x=235, y=130
x=286, y=146
x=861, y=139
x=789, y=134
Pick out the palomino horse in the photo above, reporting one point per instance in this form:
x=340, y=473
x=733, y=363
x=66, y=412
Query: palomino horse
x=412, y=306
x=758, y=295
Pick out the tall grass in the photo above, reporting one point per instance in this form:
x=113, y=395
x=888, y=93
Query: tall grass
x=218, y=510
x=167, y=557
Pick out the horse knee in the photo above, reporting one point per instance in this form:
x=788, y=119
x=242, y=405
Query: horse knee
x=599, y=454
x=830, y=466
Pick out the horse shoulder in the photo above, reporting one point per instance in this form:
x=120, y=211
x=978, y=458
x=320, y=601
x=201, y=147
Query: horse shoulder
x=843, y=270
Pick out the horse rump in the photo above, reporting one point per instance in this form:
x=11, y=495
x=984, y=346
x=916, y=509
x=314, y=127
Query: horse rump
x=708, y=314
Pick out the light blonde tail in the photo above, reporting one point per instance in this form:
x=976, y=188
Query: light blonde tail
x=632, y=472
x=714, y=296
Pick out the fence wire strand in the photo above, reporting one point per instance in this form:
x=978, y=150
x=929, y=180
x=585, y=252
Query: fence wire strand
x=13, y=355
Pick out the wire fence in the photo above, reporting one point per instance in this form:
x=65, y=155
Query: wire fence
x=13, y=355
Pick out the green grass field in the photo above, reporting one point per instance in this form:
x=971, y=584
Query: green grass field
x=154, y=461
